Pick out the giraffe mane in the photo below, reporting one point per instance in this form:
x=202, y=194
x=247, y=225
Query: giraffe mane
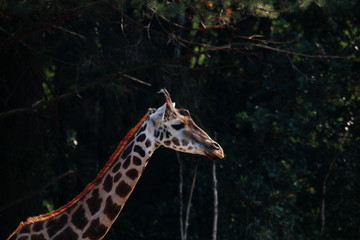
x=107, y=166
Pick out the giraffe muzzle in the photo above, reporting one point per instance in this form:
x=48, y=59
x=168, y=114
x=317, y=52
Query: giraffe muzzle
x=214, y=150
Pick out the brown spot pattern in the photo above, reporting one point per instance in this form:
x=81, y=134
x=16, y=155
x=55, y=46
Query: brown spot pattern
x=175, y=140
x=25, y=229
x=38, y=226
x=117, y=167
x=143, y=128
x=37, y=237
x=167, y=142
x=157, y=133
x=126, y=162
x=139, y=150
x=136, y=161
x=108, y=183
x=55, y=225
x=184, y=142
x=148, y=143
x=168, y=134
x=67, y=234
x=127, y=150
x=123, y=189
x=78, y=218
x=141, y=138
x=132, y=173
x=24, y=238
x=117, y=177
x=111, y=209
x=95, y=230
x=94, y=203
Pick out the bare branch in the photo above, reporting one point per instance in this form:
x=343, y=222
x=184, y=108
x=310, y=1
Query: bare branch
x=296, y=53
x=295, y=67
x=82, y=37
x=216, y=201
x=236, y=46
x=323, y=193
x=181, y=196
x=187, y=215
x=136, y=80
x=184, y=224
x=259, y=38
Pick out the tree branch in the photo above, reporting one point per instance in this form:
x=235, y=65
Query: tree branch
x=296, y=53
x=78, y=35
x=181, y=203
x=216, y=201
x=184, y=224
x=190, y=198
x=323, y=193
x=236, y=46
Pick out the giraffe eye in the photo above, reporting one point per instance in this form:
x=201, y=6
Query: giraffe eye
x=184, y=112
x=178, y=126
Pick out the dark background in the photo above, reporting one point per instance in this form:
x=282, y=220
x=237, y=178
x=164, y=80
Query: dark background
x=277, y=83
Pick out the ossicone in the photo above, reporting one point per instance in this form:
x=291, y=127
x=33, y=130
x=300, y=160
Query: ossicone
x=167, y=97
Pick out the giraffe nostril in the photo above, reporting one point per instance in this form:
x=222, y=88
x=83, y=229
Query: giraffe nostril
x=215, y=145
x=214, y=150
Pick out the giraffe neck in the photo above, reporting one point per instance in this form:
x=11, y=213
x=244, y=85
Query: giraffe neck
x=91, y=214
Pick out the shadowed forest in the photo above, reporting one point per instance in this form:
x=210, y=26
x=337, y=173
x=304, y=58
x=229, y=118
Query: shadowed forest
x=275, y=82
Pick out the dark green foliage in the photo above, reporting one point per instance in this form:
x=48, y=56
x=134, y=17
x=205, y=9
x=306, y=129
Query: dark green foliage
x=263, y=76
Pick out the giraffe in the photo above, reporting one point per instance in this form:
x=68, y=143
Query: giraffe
x=91, y=214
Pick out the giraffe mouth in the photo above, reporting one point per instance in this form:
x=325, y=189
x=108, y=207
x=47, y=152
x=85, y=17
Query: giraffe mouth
x=215, y=155
x=214, y=151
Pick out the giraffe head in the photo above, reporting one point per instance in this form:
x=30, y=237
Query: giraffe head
x=174, y=128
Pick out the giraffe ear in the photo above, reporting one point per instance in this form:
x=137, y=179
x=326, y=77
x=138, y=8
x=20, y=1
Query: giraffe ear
x=158, y=114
